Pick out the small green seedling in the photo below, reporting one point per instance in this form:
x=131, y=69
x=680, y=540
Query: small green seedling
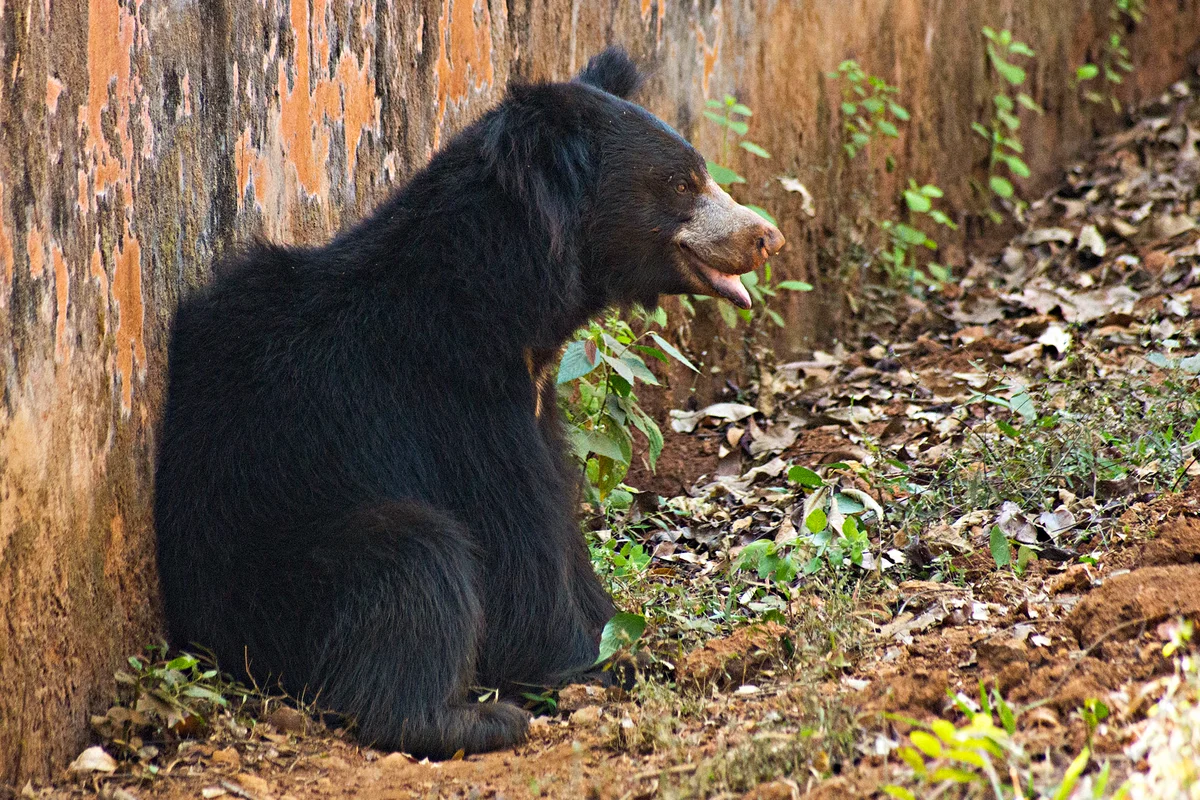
x=1002, y=133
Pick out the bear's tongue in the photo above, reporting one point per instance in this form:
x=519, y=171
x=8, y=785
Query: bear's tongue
x=728, y=286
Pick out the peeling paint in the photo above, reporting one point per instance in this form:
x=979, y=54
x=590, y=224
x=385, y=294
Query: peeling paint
x=464, y=52
x=35, y=248
x=249, y=164
x=96, y=271
x=709, y=54
x=303, y=108
x=301, y=129
x=111, y=35
x=54, y=88
x=662, y=11
x=131, y=316
x=61, y=289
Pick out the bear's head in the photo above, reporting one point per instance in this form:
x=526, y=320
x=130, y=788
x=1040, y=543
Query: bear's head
x=621, y=194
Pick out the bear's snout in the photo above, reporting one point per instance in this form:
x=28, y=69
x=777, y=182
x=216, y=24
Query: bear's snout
x=723, y=240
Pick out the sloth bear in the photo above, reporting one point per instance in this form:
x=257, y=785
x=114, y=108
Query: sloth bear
x=355, y=496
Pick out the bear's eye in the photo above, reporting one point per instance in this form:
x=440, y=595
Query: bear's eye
x=681, y=188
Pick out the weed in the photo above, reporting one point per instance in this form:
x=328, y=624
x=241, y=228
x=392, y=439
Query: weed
x=603, y=365
x=982, y=755
x=1002, y=132
x=1095, y=442
x=731, y=116
x=836, y=517
x=1114, y=62
x=1169, y=742
x=1093, y=713
x=160, y=702
x=819, y=741
x=899, y=257
x=870, y=109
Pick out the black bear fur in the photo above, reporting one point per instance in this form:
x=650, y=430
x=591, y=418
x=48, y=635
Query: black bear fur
x=354, y=494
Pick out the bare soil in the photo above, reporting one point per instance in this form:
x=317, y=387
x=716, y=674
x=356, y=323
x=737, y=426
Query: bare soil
x=1066, y=635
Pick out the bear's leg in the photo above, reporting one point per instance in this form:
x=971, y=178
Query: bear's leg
x=398, y=648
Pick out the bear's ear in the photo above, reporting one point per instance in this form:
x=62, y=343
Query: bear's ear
x=613, y=71
x=536, y=146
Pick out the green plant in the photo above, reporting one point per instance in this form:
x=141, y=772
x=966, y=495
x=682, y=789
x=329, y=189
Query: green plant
x=899, y=257
x=603, y=365
x=1133, y=9
x=732, y=118
x=836, y=517
x=869, y=108
x=1114, y=60
x=1002, y=133
x=1093, y=713
x=621, y=632
x=1114, y=56
x=983, y=755
x=978, y=752
x=1026, y=444
x=1001, y=550
x=159, y=701
x=619, y=560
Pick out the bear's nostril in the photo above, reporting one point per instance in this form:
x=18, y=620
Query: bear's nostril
x=762, y=243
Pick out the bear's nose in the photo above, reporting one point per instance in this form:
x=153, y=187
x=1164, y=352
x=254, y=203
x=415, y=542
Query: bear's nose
x=769, y=240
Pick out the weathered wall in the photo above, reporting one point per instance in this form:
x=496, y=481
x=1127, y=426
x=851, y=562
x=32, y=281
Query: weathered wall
x=141, y=139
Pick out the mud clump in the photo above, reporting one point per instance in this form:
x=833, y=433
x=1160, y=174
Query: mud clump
x=1126, y=603
x=734, y=659
x=912, y=691
x=1177, y=543
x=1006, y=659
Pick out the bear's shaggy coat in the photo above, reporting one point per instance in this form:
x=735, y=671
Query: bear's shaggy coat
x=354, y=494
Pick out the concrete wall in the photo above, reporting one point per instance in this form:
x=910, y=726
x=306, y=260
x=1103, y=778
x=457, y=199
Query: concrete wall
x=140, y=139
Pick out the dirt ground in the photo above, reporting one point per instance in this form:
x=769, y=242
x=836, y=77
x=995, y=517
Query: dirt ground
x=1060, y=635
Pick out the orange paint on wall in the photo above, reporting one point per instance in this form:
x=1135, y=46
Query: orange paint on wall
x=358, y=104
x=307, y=106
x=296, y=120
x=464, y=51
x=35, y=247
x=62, y=284
x=54, y=88
x=710, y=54
x=127, y=292
x=111, y=35
x=248, y=163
